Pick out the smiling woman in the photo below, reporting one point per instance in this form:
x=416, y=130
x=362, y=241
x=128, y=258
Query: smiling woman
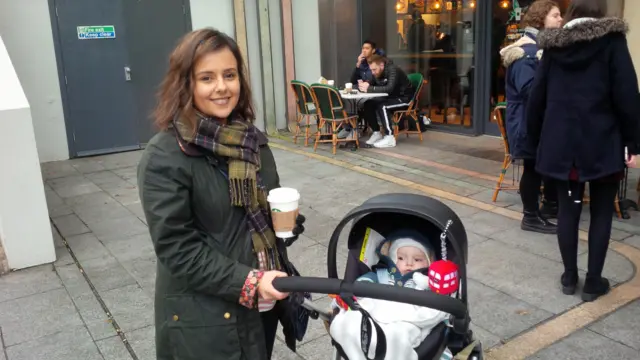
x=203, y=182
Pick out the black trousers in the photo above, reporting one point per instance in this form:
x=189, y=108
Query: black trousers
x=530, y=187
x=270, y=325
x=602, y=196
x=382, y=108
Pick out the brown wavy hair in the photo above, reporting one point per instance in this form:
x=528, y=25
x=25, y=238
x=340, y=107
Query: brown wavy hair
x=175, y=97
x=537, y=12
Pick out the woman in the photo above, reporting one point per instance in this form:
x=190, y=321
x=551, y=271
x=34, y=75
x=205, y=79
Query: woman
x=521, y=60
x=583, y=112
x=202, y=181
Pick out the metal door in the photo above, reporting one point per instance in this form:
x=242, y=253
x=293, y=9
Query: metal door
x=101, y=110
x=153, y=30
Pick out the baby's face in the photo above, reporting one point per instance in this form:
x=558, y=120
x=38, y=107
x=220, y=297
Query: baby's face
x=411, y=258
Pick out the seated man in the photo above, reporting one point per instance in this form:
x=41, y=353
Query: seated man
x=390, y=79
x=362, y=71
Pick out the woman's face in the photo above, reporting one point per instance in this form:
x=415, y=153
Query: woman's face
x=216, y=84
x=553, y=19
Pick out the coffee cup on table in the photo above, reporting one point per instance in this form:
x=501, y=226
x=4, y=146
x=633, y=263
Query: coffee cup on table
x=284, y=203
x=331, y=82
x=348, y=87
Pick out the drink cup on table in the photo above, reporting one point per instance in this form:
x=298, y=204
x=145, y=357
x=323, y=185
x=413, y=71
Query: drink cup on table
x=331, y=82
x=348, y=87
x=284, y=204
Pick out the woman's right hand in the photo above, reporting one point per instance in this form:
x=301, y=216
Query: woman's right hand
x=265, y=286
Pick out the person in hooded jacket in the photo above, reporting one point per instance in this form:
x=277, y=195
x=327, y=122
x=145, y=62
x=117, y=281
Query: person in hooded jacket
x=583, y=113
x=521, y=60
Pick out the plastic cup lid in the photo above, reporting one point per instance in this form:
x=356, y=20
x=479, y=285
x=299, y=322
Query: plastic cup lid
x=283, y=195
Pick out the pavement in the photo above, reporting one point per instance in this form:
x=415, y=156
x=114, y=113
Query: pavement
x=96, y=300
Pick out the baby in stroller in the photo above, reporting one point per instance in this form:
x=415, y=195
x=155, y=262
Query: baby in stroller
x=404, y=258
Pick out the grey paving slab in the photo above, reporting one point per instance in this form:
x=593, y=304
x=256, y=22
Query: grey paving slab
x=73, y=280
x=615, y=233
x=2, y=356
x=57, y=169
x=128, y=174
x=318, y=226
x=460, y=209
x=121, y=160
x=487, y=339
x=525, y=276
x=70, y=225
x=38, y=315
x=622, y=326
x=143, y=270
x=282, y=352
x=113, y=349
x=587, y=345
x=633, y=241
x=318, y=349
x=105, y=179
x=27, y=282
x=56, y=206
x=616, y=267
x=505, y=198
x=475, y=239
x=85, y=247
x=131, y=247
x=143, y=342
x=118, y=228
x=539, y=244
x=487, y=224
x=130, y=306
x=505, y=315
x=72, y=186
x=87, y=165
x=57, y=239
x=106, y=273
x=94, y=316
x=73, y=343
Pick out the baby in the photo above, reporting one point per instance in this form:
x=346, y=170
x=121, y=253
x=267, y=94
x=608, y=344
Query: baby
x=404, y=255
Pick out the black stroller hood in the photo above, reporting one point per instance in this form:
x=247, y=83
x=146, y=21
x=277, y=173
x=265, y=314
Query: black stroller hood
x=419, y=209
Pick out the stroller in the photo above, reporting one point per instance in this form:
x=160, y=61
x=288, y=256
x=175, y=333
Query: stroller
x=383, y=214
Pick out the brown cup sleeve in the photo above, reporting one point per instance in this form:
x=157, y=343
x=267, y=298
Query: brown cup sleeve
x=284, y=221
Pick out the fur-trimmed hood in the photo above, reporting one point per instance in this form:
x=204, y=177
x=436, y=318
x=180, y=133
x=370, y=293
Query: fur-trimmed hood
x=581, y=30
x=515, y=51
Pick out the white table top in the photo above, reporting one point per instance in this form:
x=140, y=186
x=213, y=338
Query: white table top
x=361, y=95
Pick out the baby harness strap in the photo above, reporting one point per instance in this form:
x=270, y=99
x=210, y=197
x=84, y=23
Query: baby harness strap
x=346, y=294
x=383, y=276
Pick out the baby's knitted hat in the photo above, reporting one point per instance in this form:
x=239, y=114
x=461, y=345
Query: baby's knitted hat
x=412, y=238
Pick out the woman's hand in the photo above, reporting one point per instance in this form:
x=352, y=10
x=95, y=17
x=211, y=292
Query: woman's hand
x=631, y=161
x=265, y=286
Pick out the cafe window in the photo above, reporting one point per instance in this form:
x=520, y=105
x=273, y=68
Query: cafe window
x=435, y=38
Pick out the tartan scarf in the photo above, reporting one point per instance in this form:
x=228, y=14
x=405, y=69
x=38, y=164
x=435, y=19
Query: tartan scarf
x=237, y=141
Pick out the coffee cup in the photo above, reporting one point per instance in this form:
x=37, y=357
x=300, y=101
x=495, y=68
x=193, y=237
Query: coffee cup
x=284, y=203
x=331, y=82
x=348, y=86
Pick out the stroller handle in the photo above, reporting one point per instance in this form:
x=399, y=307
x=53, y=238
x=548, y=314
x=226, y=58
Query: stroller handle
x=424, y=298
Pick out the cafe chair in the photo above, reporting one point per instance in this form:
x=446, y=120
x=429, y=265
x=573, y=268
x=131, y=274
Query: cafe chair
x=331, y=111
x=498, y=112
x=412, y=112
x=307, y=110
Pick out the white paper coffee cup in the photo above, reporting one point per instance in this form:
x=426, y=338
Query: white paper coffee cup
x=284, y=203
x=348, y=86
x=331, y=82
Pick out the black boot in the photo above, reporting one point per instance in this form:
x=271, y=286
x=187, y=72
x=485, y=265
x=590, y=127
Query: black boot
x=533, y=221
x=594, y=287
x=549, y=210
x=569, y=281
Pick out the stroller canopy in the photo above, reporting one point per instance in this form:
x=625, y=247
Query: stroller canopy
x=389, y=212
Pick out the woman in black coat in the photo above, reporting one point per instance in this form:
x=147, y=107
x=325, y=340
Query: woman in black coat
x=583, y=113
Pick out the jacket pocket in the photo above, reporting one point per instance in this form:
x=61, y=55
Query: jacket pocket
x=202, y=327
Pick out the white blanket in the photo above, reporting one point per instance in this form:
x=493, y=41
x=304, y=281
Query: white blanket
x=405, y=327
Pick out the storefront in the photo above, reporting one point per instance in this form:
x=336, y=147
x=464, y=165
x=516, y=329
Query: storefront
x=454, y=44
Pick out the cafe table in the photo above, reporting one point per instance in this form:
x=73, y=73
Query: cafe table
x=355, y=99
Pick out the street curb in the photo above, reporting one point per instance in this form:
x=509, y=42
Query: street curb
x=542, y=336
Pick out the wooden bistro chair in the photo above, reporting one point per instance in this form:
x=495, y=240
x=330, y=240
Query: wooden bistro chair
x=331, y=110
x=508, y=161
x=412, y=112
x=307, y=110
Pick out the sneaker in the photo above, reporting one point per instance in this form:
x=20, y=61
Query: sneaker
x=388, y=141
x=375, y=137
x=569, y=281
x=533, y=221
